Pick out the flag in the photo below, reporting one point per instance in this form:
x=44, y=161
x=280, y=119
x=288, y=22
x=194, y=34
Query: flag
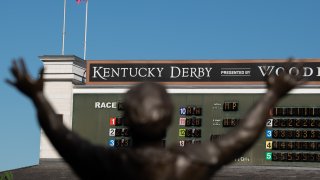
x=79, y=1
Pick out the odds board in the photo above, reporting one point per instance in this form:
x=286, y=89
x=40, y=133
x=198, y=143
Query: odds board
x=291, y=136
x=210, y=98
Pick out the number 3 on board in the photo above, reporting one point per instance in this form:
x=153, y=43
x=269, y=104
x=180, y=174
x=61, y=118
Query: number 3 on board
x=268, y=133
x=111, y=142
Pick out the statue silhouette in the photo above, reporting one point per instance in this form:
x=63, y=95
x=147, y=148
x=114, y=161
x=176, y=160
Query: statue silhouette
x=148, y=109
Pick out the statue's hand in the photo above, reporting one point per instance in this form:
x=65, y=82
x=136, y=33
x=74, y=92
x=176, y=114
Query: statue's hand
x=23, y=82
x=283, y=83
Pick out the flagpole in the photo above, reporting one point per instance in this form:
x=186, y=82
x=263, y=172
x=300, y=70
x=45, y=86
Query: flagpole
x=64, y=25
x=85, y=32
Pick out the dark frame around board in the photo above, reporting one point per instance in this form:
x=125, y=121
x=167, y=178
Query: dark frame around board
x=196, y=72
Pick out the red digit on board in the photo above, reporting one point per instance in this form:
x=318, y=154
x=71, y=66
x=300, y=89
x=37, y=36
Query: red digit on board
x=112, y=121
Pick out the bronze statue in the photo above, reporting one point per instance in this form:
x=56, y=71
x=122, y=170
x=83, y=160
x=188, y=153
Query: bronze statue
x=148, y=109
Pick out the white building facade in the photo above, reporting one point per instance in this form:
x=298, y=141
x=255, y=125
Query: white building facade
x=61, y=74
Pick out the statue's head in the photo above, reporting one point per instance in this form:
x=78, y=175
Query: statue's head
x=148, y=109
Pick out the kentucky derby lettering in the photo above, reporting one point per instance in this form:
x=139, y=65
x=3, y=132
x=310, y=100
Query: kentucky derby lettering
x=105, y=73
x=198, y=73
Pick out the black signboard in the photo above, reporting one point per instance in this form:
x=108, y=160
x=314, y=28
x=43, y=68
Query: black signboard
x=197, y=72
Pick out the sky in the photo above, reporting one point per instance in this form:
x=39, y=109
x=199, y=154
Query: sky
x=141, y=29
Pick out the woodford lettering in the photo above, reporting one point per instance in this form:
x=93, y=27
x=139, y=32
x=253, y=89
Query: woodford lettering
x=307, y=71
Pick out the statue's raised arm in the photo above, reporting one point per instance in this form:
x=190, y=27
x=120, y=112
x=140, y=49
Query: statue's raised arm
x=240, y=139
x=79, y=153
x=33, y=88
x=23, y=82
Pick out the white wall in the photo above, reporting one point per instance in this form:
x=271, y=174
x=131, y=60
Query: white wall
x=60, y=75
